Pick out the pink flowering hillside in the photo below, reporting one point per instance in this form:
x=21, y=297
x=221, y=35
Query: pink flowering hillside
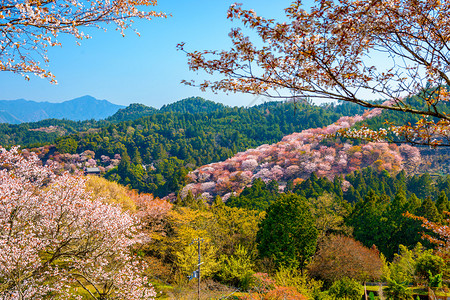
x=297, y=156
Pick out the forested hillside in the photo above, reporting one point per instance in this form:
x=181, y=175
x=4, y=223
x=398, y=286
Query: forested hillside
x=158, y=150
x=43, y=132
x=48, y=130
x=297, y=155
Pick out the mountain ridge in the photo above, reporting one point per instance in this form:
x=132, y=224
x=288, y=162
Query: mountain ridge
x=77, y=109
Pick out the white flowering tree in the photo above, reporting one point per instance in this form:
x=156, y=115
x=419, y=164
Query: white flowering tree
x=57, y=241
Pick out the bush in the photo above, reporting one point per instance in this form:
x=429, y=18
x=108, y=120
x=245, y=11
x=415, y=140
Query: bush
x=236, y=269
x=302, y=282
x=398, y=291
x=346, y=288
x=429, y=263
x=434, y=281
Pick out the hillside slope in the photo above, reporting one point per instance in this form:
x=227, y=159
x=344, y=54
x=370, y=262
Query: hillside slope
x=298, y=155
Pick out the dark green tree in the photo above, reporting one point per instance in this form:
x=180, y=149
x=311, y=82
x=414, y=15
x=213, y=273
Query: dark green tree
x=442, y=203
x=124, y=169
x=429, y=210
x=288, y=233
x=67, y=145
x=256, y=197
x=421, y=185
x=368, y=222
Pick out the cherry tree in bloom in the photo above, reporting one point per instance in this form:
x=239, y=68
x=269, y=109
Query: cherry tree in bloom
x=298, y=155
x=151, y=212
x=412, y=155
x=28, y=27
x=56, y=239
x=105, y=159
x=249, y=164
x=323, y=51
x=91, y=163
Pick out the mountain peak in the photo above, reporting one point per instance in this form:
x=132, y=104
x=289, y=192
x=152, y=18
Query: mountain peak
x=192, y=105
x=78, y=109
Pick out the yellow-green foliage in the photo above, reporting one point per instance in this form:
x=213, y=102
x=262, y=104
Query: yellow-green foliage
x=234, y=226
x=187, y=225
x=187, y=259
x=111, y=192
x=305, y=285
x=412, y=266
x=237, y=269
x=222, y=228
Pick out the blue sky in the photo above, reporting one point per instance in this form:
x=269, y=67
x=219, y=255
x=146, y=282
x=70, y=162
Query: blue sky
x=145, y=69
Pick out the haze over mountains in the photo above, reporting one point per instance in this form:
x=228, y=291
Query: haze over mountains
x=78, y=109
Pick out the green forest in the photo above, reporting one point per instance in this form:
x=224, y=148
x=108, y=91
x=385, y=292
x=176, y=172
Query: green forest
x=158, y=150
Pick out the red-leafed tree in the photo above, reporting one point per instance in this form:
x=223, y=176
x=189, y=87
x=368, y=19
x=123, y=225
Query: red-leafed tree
x=333, y=51
x=440, y=236
x=340, y=256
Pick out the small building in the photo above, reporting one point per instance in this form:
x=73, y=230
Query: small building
x=92, y=171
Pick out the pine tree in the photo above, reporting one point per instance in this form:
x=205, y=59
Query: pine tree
x=429, y=210
x=442, y=203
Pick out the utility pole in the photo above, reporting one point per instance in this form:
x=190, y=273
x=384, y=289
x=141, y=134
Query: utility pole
x=199, y=263
x=196, y=274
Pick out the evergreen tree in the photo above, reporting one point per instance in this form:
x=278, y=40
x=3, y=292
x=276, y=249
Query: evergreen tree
x=413, y=203
x=429, y=210
x=288, y=233
x=124, y=169
x=442, y=203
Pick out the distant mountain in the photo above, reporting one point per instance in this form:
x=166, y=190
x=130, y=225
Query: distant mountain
x=6, y=117
x=78, y=109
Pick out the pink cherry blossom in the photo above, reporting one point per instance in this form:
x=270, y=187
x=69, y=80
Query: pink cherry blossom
x=298, y=155
x=55, y=238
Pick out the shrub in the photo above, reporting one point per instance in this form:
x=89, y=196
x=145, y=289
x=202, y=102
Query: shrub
x=398, y=290
x=346, y=288
x=236, y=269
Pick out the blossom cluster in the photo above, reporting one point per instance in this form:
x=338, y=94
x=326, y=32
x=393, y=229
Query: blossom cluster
x=296, y=156
x=56, y=238
x=72, y=162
